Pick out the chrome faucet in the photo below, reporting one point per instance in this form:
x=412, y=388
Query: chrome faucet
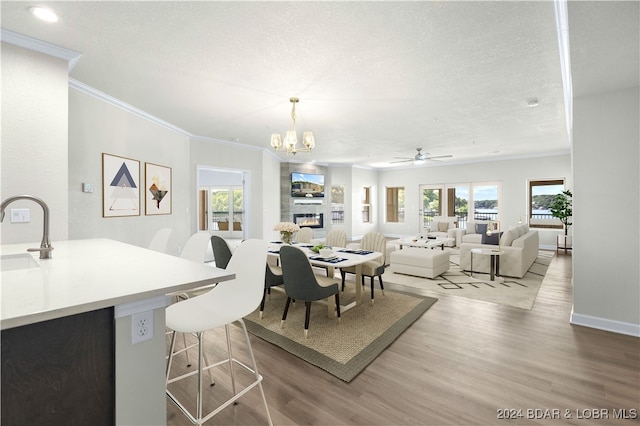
x=45, y=245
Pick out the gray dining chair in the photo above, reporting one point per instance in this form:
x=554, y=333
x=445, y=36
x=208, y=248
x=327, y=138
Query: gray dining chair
x=373, y=241
x=221, y=251
x=272, y=278
x=300, y=283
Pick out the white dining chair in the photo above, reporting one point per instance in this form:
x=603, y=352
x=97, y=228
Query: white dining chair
x=160, y=240
x=304, y=235
x=196, y=247
x=227, y=302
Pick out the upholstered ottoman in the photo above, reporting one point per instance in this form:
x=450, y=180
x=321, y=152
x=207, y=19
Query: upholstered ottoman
x=420, y=262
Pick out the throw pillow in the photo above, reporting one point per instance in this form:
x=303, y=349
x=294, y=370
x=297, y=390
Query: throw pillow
x=481, y=228
x=491, y=239
x=508, y=237
x=434, y=226
x=471, y=227
x=443, y=226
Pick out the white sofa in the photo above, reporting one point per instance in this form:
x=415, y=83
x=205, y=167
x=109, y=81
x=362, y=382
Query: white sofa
x=470, y=234
x=519, y=244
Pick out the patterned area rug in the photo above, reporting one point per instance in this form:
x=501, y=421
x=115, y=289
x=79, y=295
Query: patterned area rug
x=517, y=292
x=343, y=349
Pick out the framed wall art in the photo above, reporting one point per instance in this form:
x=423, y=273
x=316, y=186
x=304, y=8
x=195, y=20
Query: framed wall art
x=120, y=186
x=158, y=191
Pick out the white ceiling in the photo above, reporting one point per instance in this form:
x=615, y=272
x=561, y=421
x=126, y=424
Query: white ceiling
x=375, y=79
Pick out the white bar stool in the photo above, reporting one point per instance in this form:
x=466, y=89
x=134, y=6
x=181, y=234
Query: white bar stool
x=225, y=303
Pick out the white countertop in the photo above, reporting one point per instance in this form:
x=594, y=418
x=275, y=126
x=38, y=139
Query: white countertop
x=85, y=275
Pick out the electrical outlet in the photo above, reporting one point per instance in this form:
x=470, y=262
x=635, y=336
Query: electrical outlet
x=141, y=327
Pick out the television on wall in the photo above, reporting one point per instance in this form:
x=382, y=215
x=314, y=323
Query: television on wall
x=307, y=185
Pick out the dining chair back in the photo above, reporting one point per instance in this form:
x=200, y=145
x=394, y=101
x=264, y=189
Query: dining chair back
x=221, y=251
x=227, y=302
x=372, y=241
x=300, y=283
x=160, y=240
x=304, y=235
x=336, y=238
x=196, y=247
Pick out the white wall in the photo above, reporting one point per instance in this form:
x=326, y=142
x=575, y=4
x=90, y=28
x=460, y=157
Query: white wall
x=512, y=174
x=34, y=142
x=97, y=127
x=606, y=263
x=269, y=210
x=343, y=176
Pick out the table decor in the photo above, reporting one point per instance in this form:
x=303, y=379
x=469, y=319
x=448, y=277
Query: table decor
x=286, y=231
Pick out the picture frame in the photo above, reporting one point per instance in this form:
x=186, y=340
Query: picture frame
x=158, y=189
x=120, y=186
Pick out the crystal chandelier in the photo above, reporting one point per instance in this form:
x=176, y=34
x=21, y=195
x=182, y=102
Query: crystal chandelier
x=291, y=138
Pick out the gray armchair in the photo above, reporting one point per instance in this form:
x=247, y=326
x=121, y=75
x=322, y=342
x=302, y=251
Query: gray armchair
x=300, y=283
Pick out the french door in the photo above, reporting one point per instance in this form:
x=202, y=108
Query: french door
x=224, y=210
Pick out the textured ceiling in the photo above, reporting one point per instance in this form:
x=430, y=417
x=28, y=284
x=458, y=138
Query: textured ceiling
x=375, y=79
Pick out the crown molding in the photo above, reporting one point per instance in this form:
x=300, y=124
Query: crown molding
x=81, y=87
x=71, y=56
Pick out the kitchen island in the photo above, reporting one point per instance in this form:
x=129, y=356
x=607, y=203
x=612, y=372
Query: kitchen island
x=67, y=351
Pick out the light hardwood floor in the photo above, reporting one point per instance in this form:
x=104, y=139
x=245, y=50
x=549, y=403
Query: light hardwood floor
x=464, y=362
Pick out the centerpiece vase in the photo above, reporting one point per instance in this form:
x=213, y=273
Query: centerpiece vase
x=286, y=237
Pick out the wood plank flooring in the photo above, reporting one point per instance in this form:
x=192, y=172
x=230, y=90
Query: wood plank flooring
x=463, y=362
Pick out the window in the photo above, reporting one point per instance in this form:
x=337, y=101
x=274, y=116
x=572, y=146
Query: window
x=366, y=204
x=431, y=205
x=485, y=201
x=337, y=204
x=458, y=203
x=541, y=194
x=395, y=204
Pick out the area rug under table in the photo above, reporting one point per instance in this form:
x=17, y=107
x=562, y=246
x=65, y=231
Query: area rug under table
x=343, y=349
x=516, y=292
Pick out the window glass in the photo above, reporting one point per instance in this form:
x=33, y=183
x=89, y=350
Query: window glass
x=431, y=205
x=366, y=204
x=485, y=202
x=337, y=204
x=541, y=195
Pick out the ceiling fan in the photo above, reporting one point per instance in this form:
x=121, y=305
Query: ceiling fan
x=420, y=158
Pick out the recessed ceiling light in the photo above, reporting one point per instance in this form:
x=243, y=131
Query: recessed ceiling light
x=43, y=13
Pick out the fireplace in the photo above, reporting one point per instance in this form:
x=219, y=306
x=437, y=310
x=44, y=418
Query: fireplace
x=309, y=220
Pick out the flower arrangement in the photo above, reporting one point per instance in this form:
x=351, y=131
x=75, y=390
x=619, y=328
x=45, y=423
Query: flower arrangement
x=286, y=230
x=286, y=227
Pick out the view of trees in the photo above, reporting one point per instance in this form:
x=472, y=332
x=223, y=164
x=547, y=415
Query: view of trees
x=486, y=204
x=542, y=202
x=220, y=201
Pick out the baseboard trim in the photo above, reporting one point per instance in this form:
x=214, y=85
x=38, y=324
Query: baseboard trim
x=605, y=324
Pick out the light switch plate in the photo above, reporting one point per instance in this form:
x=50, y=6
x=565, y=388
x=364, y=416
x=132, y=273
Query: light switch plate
x=20, y=215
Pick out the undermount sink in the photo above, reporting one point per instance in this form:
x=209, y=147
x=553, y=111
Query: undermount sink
x=13, y=262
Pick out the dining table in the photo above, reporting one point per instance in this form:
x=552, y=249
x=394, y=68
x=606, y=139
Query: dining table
x=342, y=258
